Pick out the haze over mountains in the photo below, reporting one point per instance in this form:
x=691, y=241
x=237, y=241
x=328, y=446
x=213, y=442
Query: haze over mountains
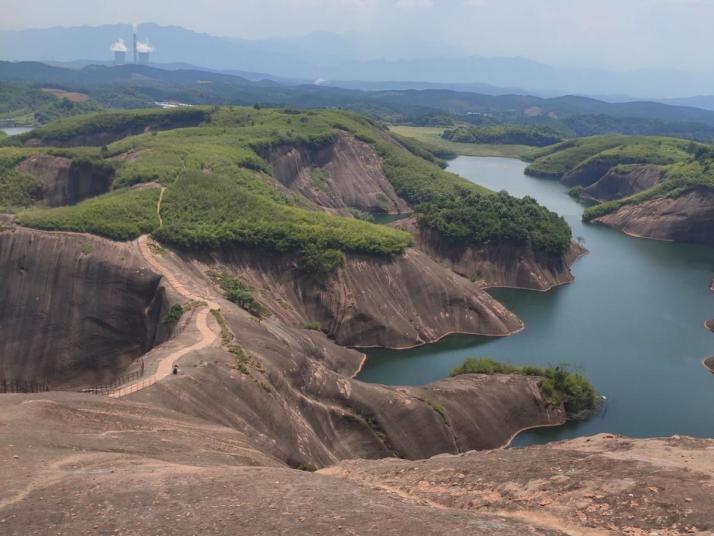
x=343, y=59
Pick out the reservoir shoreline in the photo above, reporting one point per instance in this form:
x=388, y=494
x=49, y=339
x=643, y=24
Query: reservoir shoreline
x=632, y=324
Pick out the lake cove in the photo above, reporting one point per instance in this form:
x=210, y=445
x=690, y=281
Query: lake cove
x=632, y=323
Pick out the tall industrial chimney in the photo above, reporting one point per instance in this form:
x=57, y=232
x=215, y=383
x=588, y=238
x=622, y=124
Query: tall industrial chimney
x=135, y=51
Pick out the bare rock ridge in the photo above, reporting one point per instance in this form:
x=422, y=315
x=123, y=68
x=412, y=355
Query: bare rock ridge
x=337, y=176
x=604, y=485
x=74, y=309
x=687, y=218
x=77, y=310
x=155, y=483
x=129, y=455
x=497, y=266
x=296, y=395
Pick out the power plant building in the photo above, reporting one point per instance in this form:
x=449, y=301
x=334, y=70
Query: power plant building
x=141, y=50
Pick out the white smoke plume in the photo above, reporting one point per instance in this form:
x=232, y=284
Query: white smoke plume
x=119, y=46
x=144, y=48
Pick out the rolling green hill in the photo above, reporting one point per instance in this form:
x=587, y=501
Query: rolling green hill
x=220, y=189
x=504, y=134
x=684, y=165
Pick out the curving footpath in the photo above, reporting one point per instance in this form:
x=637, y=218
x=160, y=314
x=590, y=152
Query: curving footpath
x=206, y=334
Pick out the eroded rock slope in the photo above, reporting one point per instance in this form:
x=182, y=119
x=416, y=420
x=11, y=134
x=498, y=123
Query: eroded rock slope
x=74, y=309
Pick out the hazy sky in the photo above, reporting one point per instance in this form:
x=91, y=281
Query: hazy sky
x=620, y=34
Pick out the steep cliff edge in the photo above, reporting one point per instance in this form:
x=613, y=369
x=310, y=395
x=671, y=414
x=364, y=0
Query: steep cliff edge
x=292, y=389
x=67, y=182
x=339, y=175
x=497, y=266
x=688, y=217
x=618, y=182
x=74, y=309
x=396, y=302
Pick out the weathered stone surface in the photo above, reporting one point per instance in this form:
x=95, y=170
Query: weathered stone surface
x=399, y=302
x=74, y=309
x=66, y=182
x=90, y=465
x=338, y=176
x=497, y=266
x=617, y=184
x=592, y=486
x=299, y=402
x=686, y=218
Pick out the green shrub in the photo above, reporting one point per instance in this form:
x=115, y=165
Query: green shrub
x=210, y=211
x=576, y=191
x=309, y=467
x=237, y=292
x=219, y=193
x=320, y=261
x=174, y=315
x=473, y=218
x=557, y=385
x=504, y=134
x=120, y=215
x=94, y=129
x=313, y=326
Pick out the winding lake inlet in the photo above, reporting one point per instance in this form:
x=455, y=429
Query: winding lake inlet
x=632, y=322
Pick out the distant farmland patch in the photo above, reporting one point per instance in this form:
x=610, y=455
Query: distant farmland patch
x=69, y=95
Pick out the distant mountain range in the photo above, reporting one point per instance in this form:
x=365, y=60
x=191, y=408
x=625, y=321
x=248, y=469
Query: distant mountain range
x=109, y=85
x=332, y=59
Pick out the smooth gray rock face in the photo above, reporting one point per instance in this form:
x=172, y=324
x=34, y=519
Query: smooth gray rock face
x=74, y=309
x=618, y=184
x=339, y=176
x=501, y=265
x=67, y=182
x=686, y=218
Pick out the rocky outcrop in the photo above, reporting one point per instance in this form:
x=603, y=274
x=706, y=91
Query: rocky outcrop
x=74, y=309
x=166, y=473
x=292, y=389
x=604, y=485
x=618, y=184
x=397, y=302
x=497, y=266
x=588, y=173
x=200, y=478
x=688, y=217
x=67, y=182
x=338, y=176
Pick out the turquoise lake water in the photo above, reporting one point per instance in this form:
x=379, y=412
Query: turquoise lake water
x=632, y=322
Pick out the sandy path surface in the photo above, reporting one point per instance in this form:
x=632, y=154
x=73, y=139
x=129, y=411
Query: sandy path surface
x=206, y=334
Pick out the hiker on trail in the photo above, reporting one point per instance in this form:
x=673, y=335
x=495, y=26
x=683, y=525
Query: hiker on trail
x=175, y=369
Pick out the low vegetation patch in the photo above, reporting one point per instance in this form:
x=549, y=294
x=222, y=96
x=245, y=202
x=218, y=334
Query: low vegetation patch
x=238, y=292
x=492, y=219
x=210, y=211
x=504, y=134
x=174, y=315
x=605, y=152
x=557, y=384
x=121, y=215
x=95, y=129
x=220, y=194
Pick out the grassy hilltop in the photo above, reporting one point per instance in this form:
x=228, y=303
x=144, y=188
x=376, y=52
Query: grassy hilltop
x=220, y=190
x=685, y=165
